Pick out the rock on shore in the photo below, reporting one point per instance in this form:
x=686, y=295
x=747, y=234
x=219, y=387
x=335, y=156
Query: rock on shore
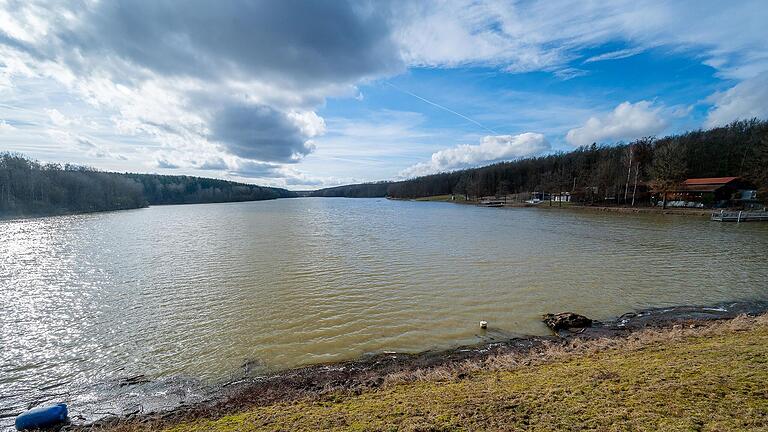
x=566, y=320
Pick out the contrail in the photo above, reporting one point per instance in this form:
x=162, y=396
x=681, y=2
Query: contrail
x=442, y=107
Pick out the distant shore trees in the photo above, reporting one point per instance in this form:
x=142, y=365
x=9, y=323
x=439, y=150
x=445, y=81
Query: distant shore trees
x=622, y=173
x=30, y=188
x=362, y=190
x=165, y=189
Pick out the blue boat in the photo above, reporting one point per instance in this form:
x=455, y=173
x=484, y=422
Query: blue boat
x=41, y=418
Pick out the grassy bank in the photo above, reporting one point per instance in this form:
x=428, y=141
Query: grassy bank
x=712, y=377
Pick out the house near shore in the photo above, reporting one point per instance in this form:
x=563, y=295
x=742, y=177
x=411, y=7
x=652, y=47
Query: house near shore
x=718, y=192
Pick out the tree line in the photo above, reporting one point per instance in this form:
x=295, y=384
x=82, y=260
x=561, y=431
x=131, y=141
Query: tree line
x=362, y=190
x=621, y=173
x=166, y=189
x=29, y=188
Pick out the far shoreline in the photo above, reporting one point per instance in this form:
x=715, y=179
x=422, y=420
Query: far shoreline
x=4, y=218
x=700, y=212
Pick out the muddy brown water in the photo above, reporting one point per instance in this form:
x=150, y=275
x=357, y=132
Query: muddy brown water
x=117, y=312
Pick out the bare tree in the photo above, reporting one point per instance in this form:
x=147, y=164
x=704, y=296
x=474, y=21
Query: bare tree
x=630, y=153
x=669, y=168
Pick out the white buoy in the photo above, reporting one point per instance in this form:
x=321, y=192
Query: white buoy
x=483, y=324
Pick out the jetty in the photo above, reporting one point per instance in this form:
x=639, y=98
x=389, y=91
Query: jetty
x=498, y=202
x=740, y=216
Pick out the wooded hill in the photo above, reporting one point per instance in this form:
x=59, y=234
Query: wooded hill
x=29, y=188
x=601, y=172
x=362, y=190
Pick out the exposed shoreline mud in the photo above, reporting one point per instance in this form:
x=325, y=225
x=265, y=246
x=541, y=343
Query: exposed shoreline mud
x=370, y=372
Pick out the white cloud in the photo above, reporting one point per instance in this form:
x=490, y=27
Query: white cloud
x=626, y=121
x=5, y=126
x=57, y=118
x=566, y=74
x=248, y=90
x=545, y=35
x=213, y=164
x=680, y=111
x=745, y=100
x=464, y=32
x=166, y=164
x=283, y=175
x=492, y=148
x=154, y=78
x=309, y=123
x=615, y=55
x=374, y=146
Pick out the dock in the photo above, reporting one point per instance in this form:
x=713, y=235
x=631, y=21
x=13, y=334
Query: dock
x=740, y=216
x=493, y=202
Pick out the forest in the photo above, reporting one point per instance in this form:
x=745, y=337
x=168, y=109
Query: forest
x=602, y=173
x=165, y=189
x=31, y=188
x=362, y=190
x=608, y=174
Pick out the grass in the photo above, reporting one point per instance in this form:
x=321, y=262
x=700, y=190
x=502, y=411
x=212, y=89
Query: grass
x=710, y=378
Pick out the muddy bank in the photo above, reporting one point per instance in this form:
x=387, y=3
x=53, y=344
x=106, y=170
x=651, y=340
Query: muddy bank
x=371, y=371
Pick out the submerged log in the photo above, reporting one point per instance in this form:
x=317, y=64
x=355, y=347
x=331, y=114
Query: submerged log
x=566, y=320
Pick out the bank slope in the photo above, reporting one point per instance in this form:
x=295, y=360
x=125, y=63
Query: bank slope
x=672, y=380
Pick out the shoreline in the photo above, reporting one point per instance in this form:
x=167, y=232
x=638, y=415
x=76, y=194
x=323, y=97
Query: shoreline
x=635, y=210
x=4, y=217
x=569, y=206
x=367, y=374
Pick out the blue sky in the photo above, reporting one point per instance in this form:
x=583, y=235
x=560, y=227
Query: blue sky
x=307, y=94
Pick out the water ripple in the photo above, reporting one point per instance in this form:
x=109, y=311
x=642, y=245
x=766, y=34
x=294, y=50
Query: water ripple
x=200, y=290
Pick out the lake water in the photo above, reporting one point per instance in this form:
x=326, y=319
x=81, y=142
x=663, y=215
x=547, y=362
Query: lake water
x=190, y=294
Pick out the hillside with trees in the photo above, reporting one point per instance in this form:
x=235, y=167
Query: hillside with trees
x=362, y=190
x=31, y=188
x=604, y=173
x=165, y=189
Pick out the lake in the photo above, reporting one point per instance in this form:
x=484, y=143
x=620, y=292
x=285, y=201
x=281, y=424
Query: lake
x=192, y=295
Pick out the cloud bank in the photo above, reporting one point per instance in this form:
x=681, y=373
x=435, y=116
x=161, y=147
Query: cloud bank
x=236, y=87
x=492, y=148
x=746, y=100
x=229, y=82
x=627, y=121
x=545, y=35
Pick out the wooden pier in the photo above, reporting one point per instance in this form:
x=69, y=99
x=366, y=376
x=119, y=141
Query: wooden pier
x=493, y=203
x=739, y=216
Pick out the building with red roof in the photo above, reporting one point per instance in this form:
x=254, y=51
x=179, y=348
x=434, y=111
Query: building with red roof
x=712, y=192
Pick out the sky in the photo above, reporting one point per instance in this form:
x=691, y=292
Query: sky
x=311, y=94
